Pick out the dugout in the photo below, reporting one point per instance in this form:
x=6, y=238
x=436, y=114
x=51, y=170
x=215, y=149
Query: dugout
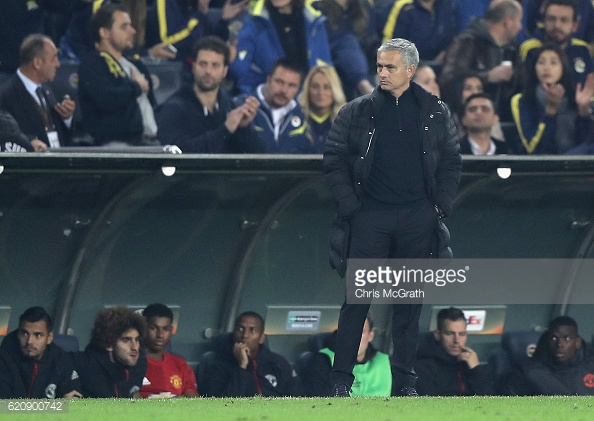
x=227, y=233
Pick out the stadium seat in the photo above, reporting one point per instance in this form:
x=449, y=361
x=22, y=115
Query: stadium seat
x=319, y=341
x=206, y=362
x=66, y=342
x=301, y=363
x=510, y=132
x=516, y=348
x=166, y=77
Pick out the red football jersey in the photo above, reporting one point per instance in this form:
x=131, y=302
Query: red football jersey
x=172, y=375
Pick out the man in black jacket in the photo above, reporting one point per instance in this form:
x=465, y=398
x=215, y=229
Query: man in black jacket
x=488, y=48
x=393, y=165
x=31, y=366
x=116, y=94
x=446, y=366
x=201, y=118
x=243, y=366
x=560, y=365
x=112, y=366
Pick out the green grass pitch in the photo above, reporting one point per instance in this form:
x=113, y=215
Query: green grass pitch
x=323, y=409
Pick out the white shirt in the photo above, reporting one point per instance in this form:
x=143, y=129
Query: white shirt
x=278, y=114
x=476, y=149
x=146, y=109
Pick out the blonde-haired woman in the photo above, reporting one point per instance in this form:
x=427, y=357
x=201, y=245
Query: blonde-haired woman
x=321, y=98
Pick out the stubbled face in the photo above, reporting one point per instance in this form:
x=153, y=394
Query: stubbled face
x=48, y=63
x=564, y=343
x=479, y=115
x=249, y=331
x=452, y=336
x=549, y=67
x=209, y=70
x=559, y=24
x=427, y=79
x=392, y=75
x=320, y=94
x=34, y=338
x=127, y=348
x=159, y=332
x=121, y=34
x=472, y=85
x=281, y=87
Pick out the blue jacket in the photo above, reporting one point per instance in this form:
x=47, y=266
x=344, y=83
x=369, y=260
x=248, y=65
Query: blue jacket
x=537, y=129
x=259, y=45
x=317, y=131
x=347, y=52
x=432, y=33
x=291, y=137
x=577, y=53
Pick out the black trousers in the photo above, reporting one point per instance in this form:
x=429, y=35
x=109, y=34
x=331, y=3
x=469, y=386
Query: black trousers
x=391, y=233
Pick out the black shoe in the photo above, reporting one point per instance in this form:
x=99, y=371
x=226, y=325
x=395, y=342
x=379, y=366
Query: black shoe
x=341, y=390
x=408, y=391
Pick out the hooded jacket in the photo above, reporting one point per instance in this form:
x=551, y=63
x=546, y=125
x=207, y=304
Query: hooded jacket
x=51, y=377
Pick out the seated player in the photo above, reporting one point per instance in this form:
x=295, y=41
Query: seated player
x=31, y=365
x=447, y=367
x=112, y=365
x=246, y=367
x=167, y=375
x=372, y=372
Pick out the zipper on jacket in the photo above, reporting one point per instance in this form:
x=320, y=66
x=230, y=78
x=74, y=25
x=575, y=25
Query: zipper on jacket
x=255, y=364
x=461, y=380
x=369, y=144
x=398, y=115
x=35, y=367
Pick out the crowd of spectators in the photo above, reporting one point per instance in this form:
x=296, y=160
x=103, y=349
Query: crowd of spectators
x=466, y=47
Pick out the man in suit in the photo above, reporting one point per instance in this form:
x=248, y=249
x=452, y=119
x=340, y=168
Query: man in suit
x=39, y=115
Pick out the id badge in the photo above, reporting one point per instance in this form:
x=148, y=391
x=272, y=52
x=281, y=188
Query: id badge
x=54, y=142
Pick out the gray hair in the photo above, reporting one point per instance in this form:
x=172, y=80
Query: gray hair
x=408, y=51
